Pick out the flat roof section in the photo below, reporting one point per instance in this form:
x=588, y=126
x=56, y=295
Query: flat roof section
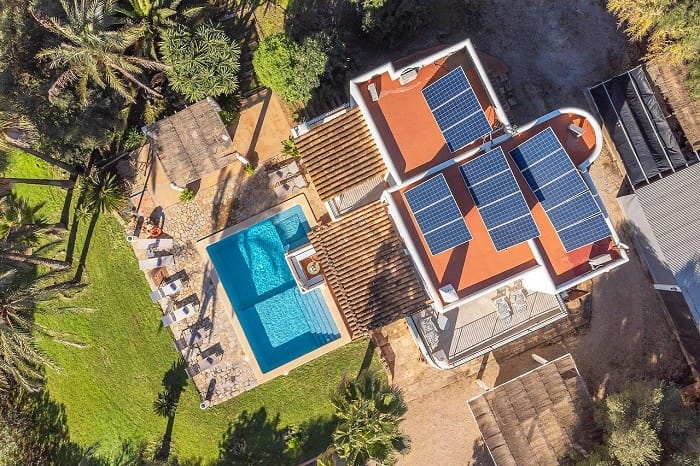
x=404, y=120
x=471, y=266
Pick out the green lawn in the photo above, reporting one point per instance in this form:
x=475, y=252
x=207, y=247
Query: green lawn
x=108, y=388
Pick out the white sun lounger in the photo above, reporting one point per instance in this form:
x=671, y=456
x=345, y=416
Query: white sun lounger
x=202, y=365
x=183, y=342
x=154, y=244
x=178, y=314
x=518, y=301
x=162, y=261
x=291, y=169
x=298, y=182
x=168, y=289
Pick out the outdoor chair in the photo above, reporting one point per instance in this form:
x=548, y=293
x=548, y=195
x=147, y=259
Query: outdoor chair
x=166, y=290
x=276, y=178
x=503, y=310
x=182, y=343
x=153, y=244
x=202, y=365
x=152, y=263
x=518, y=301
x=178, y=314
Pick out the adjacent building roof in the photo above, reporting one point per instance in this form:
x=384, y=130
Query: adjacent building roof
x=367, y=269
x=192, y=143
x=669, y=221
x=537, y=418
x=340, y=154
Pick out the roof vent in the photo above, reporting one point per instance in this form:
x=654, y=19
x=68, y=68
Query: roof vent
x=408, y=75
x=372, y=88
x=448, y=293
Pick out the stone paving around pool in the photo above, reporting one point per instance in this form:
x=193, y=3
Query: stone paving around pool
x=234, y=197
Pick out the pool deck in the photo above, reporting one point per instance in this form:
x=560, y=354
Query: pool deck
x=201, y=246
x=225, y=199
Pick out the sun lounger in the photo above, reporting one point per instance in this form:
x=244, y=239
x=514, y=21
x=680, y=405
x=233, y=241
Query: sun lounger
x=291, y=169
x=202, y=365
x=168, y=289
x=430, y=332
x=276, y=178
x=178, y=314
x=281, y=190
x=298, y=182
x=184, y=342
x=503, y=310
x=154, y=244
x=152, y=263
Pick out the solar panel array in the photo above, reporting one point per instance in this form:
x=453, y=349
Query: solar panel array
x=498, y=197
x=456, y=109
x=559, y=187
x=437, y=214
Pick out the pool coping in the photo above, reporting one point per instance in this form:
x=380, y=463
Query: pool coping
x=338, y=319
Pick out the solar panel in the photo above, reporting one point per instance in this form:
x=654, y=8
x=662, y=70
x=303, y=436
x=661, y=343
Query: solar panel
x=446, y=88
x=437, y=215
x=586, y=232
x=453, y=111
x=558, y=185
x=497, y=195
x=456, y=109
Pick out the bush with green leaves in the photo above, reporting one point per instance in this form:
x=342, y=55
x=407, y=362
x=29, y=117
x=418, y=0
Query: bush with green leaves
x=134, y=139
x=290, y=149
x=291, y=69
x=389, y=22
x=202, y=63
x=186, y=195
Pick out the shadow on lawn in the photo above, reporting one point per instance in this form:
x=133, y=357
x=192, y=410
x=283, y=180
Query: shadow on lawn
x=174, y=382
x=258, y=439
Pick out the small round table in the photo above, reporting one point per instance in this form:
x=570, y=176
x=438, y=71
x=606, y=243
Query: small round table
x=313, y=267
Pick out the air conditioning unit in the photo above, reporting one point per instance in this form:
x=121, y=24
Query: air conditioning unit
x=408, y=75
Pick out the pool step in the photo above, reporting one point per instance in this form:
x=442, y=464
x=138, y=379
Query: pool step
x=317, y=315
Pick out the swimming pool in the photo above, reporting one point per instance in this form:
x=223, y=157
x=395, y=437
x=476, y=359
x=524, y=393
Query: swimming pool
x=279, y=322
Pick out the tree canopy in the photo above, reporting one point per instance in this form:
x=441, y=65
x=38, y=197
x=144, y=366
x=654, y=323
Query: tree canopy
x=671, y=29
x=201, y=63
x=291, y=69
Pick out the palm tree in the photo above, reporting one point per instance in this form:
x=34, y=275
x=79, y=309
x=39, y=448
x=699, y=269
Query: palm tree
x=155, y=16
x=103, y=193
x=20, y=228
x=369, y=412
x=20, y=359
x=93, y=48
x=17, y=132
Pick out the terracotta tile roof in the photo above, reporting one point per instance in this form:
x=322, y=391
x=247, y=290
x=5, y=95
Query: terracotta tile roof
x=192, y=143
x=340, y=154
x=370, y=276
x=537, y=418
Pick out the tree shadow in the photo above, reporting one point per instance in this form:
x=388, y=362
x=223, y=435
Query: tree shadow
x=65, y=211
x=258, y=439
x=39, y=426
x=86, y=247
x=480, y=455
x=174, y=382
x=72, y=236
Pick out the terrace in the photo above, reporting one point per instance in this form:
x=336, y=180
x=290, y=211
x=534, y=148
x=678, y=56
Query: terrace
x=403, y=122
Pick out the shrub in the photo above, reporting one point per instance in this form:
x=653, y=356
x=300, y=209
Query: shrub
x=290, y=69
x=228, y=118
x=134, y=139
x=186, y=195
x=290, y=149
x=389, y=22
x=249, y=169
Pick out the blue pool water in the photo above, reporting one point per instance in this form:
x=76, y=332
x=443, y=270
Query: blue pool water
x=279, y=321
